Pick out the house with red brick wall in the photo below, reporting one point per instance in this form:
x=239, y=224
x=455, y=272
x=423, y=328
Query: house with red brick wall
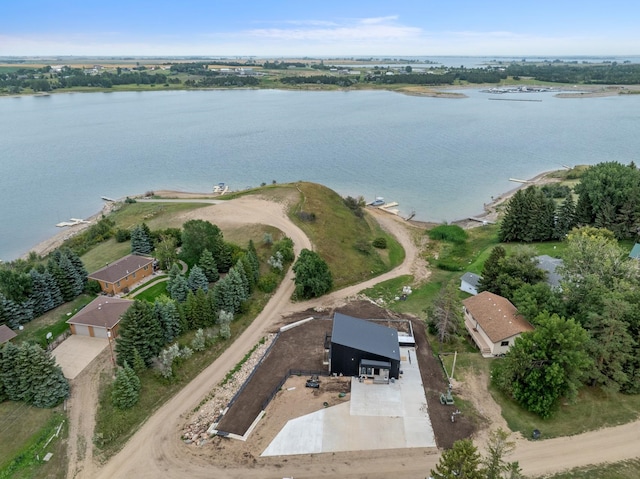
x=118, y=277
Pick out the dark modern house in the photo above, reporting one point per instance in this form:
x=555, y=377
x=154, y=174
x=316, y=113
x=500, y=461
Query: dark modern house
x=363, y=348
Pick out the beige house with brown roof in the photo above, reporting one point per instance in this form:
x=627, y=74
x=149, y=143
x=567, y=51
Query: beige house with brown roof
x=493, y=323
x=124, y=273
x=99, y=318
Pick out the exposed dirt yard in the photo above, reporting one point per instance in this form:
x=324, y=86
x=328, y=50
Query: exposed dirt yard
x=302, y=347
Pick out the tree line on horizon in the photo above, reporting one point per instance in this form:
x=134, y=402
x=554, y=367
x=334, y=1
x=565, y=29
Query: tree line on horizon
x=44, y=80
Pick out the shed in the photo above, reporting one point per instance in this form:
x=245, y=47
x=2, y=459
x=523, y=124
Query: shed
x=6, y=333
x=469, y=283
x=99, y=318
x=362, y=348
x=549, y=265
x=635, y=251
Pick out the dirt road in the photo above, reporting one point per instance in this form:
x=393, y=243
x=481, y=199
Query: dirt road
x=157, y=451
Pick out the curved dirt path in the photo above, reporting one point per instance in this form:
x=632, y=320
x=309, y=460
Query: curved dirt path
x=156, y=450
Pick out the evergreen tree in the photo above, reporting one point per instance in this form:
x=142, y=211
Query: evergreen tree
x=178, y=289
x=125, y=394
x=140, y=240
x=491, y=270
x=9, y=374
x=223, y=294
x=244, y=278
x=78, y=265
x=566, y=218
x=139, y=331
x=252, y=257
x=166, y=312
x=462, y=461
x=50, y=385
x=208, y=265
x=197, y=280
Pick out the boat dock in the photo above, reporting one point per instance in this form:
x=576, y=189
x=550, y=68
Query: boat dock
x=221, y=189
x=480, y=220
x=72, y=222
x=519, y=181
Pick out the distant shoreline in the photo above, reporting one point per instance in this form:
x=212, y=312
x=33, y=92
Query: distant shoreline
x=441, y=91
x=490, y=213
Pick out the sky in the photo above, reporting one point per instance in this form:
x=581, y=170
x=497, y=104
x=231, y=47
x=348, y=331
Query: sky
x=323, y=28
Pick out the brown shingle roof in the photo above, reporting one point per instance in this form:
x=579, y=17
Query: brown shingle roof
x=497, y=317
x=6, y=333
x=101, y=312
x=121, y=268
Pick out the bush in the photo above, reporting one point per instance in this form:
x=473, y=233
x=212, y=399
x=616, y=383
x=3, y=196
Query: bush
x=307, y=217
x=450, y=265
x=380, y=242
x=449, y=233
x=363, y=246
x=268, y=282
x=122, y=235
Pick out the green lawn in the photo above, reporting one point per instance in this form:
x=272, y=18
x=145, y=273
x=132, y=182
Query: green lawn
x=54, y=321
x=24, y=430
x=152, y=292
x=339, y=237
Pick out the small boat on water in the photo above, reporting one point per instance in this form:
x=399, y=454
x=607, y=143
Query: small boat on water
x=379, y=201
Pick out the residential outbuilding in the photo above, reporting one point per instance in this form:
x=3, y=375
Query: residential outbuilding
x=493, y=323
x=362, y=348
x=118, y=277
x=99, y=318
x=469, y=283
x=549, y=265
x=6, y=333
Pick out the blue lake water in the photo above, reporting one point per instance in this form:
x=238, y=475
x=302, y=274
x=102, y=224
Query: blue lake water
x=442, y=158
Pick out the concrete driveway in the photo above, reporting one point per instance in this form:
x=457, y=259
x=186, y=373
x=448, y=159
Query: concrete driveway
x=76, y=352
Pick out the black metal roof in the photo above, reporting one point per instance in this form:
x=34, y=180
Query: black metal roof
x=365, y=336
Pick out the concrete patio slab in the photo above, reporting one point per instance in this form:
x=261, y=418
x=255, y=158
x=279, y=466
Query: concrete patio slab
x=378, y=416
x=76, y=352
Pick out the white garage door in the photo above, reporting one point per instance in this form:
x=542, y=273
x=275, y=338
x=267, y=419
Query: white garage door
x=82, y=330
x=99, y=332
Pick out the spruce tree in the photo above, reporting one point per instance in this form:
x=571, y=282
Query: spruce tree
x=565, y=218
x=77, y=263
x=197, y=280
x=208, y=265
x=178, y=289
x=139, y=331
x=491, y=270
x=8, y=371
x=125, y=394
x=166, y=312
x=140, y=241
x=50, y=386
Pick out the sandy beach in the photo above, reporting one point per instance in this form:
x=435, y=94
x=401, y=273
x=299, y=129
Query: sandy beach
x=490, y=213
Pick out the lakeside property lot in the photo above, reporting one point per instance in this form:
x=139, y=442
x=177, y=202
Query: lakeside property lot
x=302, y=347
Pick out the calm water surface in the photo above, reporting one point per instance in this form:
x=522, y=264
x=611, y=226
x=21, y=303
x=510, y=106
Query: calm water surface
x=442, y=158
